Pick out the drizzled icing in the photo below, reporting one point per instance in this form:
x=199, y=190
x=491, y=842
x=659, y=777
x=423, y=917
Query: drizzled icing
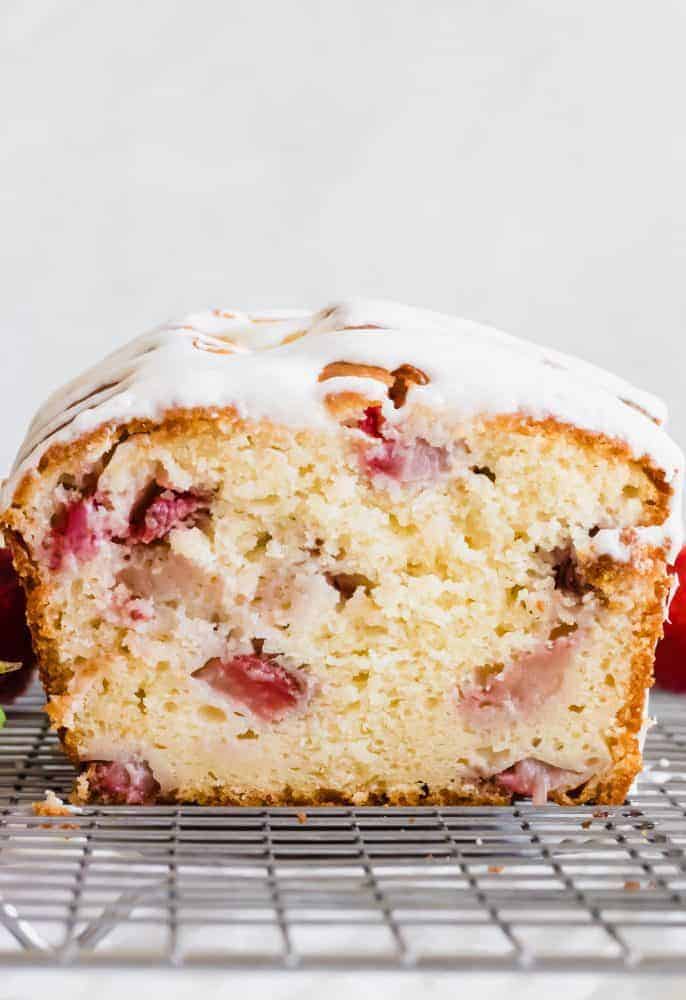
x=268, y=364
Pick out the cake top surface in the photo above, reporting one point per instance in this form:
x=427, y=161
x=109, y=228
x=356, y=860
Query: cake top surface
x=268, y=364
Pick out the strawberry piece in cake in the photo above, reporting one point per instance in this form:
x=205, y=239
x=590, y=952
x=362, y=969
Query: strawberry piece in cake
x=522, y=687
x=372, y=422
x=161, y=510
x=131, y=783
x=262, y=685
x=535, y=779
x=406, y=461
x=413, y=462
x=76, y=531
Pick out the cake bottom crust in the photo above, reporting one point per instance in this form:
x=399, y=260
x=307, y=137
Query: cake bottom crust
x=609, y=789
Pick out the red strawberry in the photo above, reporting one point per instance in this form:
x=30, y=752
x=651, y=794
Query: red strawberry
x=124, y=783
x=266, y=688
x=670, y=656
x=534, y=779
x=670, y=661
x=677, y=609
x=15, y=638
x=406, y=461
x=161, y=510
x=372, y=422
x=73, y=533
x=413, y=462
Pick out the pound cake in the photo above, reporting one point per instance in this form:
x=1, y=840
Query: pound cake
x=365, y=555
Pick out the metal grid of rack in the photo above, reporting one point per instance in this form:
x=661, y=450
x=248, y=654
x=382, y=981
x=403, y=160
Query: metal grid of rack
x=442, y=889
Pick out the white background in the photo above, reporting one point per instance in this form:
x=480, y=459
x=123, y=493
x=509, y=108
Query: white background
x=520, y=163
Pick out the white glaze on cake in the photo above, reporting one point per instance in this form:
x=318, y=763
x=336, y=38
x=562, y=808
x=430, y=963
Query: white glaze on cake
x=268, y=364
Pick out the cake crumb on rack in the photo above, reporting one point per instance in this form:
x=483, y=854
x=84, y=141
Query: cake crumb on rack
x=52, y=805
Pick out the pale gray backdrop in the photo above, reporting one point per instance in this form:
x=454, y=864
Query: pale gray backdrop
x=521, y=163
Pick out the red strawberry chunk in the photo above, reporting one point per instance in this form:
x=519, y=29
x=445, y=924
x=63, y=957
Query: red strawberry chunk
x=75, y=532
x=15, y=638
x=130, y=784
x=157, y=516
x=521, y=687
x=413, y=462
x=259, y=683
x=535, y=779
x=372, y=422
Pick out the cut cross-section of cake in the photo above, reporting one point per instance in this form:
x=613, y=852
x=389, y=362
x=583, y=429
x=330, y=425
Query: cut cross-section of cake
x=366, y=555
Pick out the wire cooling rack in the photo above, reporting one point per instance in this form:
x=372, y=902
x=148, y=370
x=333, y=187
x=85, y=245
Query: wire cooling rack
x=441, y=889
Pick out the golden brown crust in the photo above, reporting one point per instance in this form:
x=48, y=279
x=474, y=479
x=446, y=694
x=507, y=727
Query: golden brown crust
x=605, y=575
